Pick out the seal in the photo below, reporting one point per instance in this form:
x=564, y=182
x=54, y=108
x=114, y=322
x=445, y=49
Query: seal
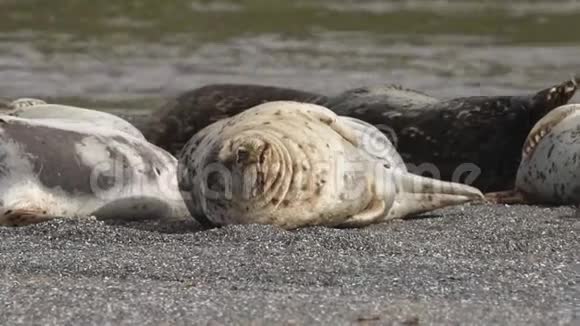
x=477, y=136
x=295, y=165
x=179, y=119
x=32, y=108
x=548, y=172
x=67, y=169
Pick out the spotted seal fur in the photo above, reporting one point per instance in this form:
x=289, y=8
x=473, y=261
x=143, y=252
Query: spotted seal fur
x=33, y=108
x=66, y=169
x=294, y=164
x=477, y=135
x=549, y=172
x=179, y=119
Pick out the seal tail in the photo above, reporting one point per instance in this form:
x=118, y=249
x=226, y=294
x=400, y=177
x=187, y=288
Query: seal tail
x=550, y=98
x=415, y=194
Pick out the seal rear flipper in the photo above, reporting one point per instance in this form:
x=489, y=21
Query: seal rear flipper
x=550, y=98
x=23, y=103
x=414, y=194
x=506, y=197
x=23, y=216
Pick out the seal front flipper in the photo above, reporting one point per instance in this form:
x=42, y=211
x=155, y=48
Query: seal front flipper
x=335, y=122
x=506, y=197
x=24, y=216
x=375, y=143
x=374, y=211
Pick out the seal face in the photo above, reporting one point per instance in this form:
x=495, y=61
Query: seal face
x=481, y=135
x=31, y=108
x=549, y=172
x=295, y=164
x=51, y=169
x=179, y=119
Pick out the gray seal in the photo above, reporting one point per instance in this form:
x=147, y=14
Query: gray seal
x=32, y=108
x=549, y=171
x=179, y=119
x=479, y=135
x=294, y=165
x=69, y=169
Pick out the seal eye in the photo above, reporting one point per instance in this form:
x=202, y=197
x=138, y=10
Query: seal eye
x=242, y=155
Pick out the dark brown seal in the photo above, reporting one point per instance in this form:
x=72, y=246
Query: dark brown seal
x=481, y=136
x=179, y=119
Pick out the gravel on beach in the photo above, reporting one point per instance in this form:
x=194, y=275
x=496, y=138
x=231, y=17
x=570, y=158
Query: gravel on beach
x=476, y=265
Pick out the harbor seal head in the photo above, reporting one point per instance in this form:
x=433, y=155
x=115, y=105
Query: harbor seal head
x=52, y=169
x=549, y=172
x=179, y=119
x=477, y=136
x=32, y=108
x=295, y=164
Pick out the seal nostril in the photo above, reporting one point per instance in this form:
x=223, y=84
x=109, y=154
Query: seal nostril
x=263, y=154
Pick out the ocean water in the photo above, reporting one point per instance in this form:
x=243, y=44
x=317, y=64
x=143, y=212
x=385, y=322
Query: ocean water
x=134, y=55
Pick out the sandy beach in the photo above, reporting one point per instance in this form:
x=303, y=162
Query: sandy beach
x=468, y=265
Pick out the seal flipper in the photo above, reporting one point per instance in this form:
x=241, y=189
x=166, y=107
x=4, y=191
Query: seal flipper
x=336, y=122
x=375, y=143
x=374, y=211
x=506, y=197
x=412, y=194
x=25, y=102
x=24, y=216
x=550, y=98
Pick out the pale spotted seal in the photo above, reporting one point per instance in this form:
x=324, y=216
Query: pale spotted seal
x=294, y=164
x=549, y=172
x=32, y=108
x=58, y=168
x=179, y=119
x=478, y=134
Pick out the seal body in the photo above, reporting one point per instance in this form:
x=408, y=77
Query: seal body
x=295, y=164
x=179, y=119
x=55, y=168
x=478, y=136
x=31, y=108
x=549, y=172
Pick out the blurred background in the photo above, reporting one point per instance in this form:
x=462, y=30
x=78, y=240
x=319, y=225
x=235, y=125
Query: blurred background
x=135, y=54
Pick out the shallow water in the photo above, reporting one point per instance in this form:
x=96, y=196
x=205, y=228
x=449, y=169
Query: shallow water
x=135, y=54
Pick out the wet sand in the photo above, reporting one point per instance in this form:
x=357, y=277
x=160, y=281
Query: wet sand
x=476, y=265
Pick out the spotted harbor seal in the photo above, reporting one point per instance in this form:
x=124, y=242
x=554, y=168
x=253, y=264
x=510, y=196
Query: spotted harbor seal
x=58, y=168
x=33, y=108
x=549, y=172
x=179, y=119
x=479, y=137
x=296, y=164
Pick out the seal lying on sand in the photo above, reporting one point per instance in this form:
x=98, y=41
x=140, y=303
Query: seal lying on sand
x=179, y=119
x=478, y=134
x=549, y=172
x=32, y=108
x=51, y=169
x=295, y=164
